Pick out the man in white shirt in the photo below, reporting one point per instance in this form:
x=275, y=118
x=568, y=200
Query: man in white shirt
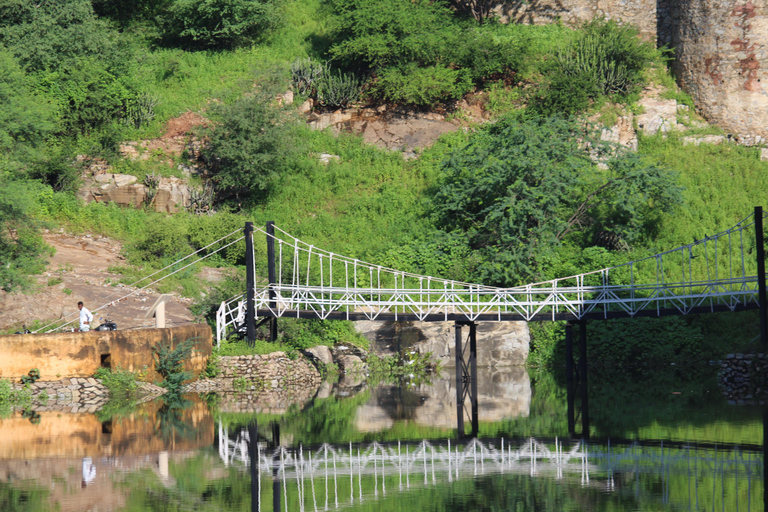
x=85, y=318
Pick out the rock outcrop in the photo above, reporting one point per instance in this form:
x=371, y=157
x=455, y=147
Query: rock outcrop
x=499, y=343
x=172, y=194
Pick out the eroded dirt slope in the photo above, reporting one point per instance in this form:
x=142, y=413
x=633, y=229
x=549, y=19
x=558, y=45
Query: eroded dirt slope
x=79, y=271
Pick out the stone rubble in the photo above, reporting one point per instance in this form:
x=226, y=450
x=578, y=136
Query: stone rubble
x=743, y=378
x=77, y=394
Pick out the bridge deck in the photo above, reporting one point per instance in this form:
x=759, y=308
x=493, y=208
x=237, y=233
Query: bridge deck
x=359, y=316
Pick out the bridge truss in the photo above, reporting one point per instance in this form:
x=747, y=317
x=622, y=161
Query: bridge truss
x=717, y=273
x=333, y=476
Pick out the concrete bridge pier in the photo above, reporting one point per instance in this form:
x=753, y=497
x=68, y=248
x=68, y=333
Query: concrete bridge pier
x=466, y=376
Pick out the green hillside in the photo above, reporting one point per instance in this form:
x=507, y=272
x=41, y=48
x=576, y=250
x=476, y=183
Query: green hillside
x=493, y=203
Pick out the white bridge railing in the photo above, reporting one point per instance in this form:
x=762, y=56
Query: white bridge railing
x=718, y=272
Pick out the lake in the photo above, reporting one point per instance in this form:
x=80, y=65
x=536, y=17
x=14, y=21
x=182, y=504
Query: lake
x=647, y=443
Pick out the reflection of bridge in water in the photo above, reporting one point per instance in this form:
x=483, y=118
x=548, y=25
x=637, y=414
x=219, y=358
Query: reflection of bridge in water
x=331, y=476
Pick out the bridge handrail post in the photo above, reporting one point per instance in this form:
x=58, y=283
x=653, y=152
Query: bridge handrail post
x=762, y=296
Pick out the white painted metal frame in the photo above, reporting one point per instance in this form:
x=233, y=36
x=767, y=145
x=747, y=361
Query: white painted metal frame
x=718, y=271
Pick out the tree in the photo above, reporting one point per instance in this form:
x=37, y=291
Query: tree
x=221, y=24
x=517, y=189
x=478, y=9
x=251, y=146
x=21, y=246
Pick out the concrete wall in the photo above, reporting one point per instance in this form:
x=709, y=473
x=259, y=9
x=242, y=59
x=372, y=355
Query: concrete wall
x=75, y=354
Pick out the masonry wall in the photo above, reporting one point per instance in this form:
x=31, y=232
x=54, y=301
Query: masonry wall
x=75, y=354
x=721, y=52
x=649, y=16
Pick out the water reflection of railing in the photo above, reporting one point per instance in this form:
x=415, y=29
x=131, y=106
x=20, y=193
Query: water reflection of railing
x=342, y=474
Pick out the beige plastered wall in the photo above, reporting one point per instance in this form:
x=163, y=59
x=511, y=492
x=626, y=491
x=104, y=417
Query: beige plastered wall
x=75, y=354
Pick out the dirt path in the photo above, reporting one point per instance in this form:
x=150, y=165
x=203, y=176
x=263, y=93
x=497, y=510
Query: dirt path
x=79, y=271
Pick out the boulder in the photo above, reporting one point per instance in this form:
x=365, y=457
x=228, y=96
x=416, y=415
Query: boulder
x=320, y=353
x=172, y=196
x=351, y=364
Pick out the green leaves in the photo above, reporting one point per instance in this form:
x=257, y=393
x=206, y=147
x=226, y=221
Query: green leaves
x=251, y=146
x=21, y=246
x=221, y=23
x=517, y=189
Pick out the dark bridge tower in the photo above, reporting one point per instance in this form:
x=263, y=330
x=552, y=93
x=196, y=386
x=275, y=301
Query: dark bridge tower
x=250, y=283
x=466, y=375
x=272, y=271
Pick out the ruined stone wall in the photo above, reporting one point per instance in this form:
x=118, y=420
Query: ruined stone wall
x=720, y=46
x=651, y=17
x=79, y=354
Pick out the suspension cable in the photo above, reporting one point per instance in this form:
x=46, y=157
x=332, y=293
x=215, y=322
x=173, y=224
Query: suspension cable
x=150, y=284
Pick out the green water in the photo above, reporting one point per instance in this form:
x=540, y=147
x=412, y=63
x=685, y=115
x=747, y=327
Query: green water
x=650, y=444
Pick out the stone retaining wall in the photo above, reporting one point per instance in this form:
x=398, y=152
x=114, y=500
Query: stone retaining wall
x=78, y=395
x=743, y=378
x=262, y=383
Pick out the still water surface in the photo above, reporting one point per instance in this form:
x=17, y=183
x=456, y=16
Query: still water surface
x=357, y=446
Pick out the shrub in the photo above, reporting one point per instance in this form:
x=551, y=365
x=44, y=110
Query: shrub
x=338, y=91
x=220, y=23
x=606, y=59
x=21, y=246
x=122, y=384
x=48, y=35
x=11, y=398
x=422, y=86
x=26, y=119
x=380, y=34
x=251, y=146
x=169, y=363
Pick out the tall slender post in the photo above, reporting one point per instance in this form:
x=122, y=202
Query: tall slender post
x=569, y=375
x=272, y=278
x=459, y=380
x=276, y=507
x=253, y=454
x=765, y=457
x=761, y=292
x=250, y=282
x=473, y=377
x=584, y=382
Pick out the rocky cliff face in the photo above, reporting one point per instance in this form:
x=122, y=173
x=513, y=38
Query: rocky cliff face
x=719, y=47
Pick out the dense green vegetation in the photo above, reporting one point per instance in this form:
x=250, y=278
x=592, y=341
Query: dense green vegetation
x=506, y=203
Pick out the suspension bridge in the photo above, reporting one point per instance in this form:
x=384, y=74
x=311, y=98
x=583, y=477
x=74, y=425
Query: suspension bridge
x=722, y=272
x=717, y=273
x=330, y=477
